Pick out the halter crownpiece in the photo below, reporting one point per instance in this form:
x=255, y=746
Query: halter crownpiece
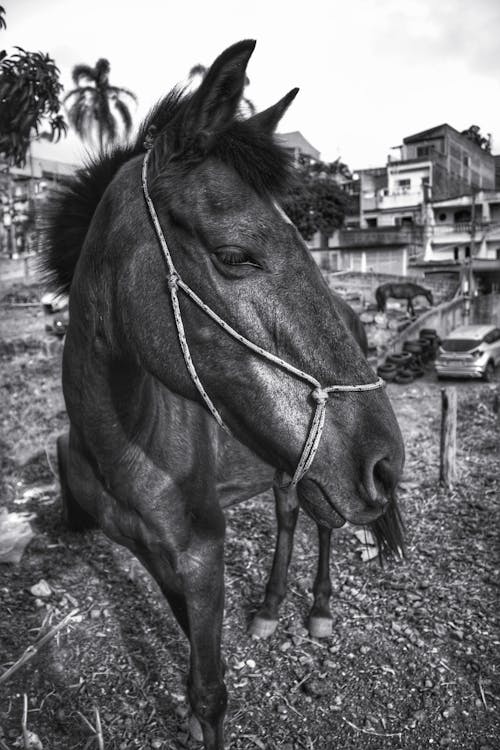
x=319, y=394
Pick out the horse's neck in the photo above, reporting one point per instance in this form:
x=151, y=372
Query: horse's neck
x=240, y=473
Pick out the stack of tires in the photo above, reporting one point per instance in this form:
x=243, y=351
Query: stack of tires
x=404, y=367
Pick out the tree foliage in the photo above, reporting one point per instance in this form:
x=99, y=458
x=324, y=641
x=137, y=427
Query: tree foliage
x=29, y=96
x=473, y=133
x=95, y=107
x=316, y=202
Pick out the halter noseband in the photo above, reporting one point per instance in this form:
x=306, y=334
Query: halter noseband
x=319, y=394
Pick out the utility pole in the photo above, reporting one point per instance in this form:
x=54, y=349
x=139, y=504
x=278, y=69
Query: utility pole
x=468, y=261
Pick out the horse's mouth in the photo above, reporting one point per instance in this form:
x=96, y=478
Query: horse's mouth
x=316, y=504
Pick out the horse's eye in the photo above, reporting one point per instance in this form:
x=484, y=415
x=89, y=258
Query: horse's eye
x=235, y=256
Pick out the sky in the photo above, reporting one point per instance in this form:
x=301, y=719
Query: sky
x=370, y=72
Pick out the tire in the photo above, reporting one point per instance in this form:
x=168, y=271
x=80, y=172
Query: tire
x=414, y=346
x=430, y=332
x=387, y=375
x=489, y=373
x=404, y=377
x=399, y=359
x=386, y=368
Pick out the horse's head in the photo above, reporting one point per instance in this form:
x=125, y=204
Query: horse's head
x=214, y=181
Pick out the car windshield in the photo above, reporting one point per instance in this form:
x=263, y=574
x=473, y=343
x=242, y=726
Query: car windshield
x=459, y=345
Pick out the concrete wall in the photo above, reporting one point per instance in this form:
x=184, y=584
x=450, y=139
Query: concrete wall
x=365, y=284
x=486, y=309
x=443, y=319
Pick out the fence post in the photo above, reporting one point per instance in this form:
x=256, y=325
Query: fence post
x=448, y=448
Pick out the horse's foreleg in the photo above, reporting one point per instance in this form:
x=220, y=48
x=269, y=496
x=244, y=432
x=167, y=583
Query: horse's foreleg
x=74, y=515
x=320, y=618
x=287, y=508
x=411, y=310
x=193, y=584
x=203, y=577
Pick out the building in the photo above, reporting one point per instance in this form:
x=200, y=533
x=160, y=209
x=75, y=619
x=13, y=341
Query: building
x=22, y=191
x=298, y=147
x=461, y=240
x=386, y=231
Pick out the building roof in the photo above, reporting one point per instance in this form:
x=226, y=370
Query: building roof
x=295, y=140
x=424, y=135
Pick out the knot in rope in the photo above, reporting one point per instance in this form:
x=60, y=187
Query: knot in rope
x=319, y=395
x=173, y=281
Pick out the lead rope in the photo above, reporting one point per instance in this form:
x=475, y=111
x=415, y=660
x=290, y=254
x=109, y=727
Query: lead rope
x=320, y=395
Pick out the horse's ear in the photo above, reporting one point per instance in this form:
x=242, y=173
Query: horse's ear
x=269, y=118
x=215, y=102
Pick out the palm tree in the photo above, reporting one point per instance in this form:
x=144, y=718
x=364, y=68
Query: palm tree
x=97, y=106
x=200, y=71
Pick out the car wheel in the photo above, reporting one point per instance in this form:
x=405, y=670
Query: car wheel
x=489, y=373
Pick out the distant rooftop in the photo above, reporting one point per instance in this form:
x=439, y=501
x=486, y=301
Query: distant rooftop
x=296, y=140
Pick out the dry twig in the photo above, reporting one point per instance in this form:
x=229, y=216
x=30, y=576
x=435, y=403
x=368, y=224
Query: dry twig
x=371, y=731
x=33, y=650
x=483, y=697
x=24, y=722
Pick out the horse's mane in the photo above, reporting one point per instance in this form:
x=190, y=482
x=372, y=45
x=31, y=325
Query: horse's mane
x=255, y=155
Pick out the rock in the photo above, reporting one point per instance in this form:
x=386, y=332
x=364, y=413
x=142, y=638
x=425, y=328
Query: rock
x=316, y=688
x=41, y=589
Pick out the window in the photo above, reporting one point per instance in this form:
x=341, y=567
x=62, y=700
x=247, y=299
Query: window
x=467, y=251
x=423, y=150
x=492, y=336
x=371, y=222
x=466, y=160
x=403, y=184
x=442, y=217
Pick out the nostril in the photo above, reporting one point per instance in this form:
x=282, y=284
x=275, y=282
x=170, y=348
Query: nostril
x=384, y=476
x=380, y=482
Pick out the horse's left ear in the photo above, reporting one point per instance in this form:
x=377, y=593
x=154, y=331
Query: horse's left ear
x=216, y=101
x=268, y=119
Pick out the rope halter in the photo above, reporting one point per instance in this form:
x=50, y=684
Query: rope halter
x=319, y=394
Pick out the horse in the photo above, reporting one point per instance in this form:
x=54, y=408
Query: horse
x=406, y=290
x=196, y=309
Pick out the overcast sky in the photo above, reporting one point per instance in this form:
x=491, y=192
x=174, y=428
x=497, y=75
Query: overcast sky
x=370, y=72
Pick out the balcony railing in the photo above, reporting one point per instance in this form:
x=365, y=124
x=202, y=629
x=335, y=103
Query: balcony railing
x=380, y=236
x=460, y=227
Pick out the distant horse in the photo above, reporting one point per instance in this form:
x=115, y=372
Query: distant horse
x=407, y=291
x=195, y=308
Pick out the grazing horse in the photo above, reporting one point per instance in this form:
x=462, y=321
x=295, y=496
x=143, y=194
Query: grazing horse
x=195, y=307
x=407, y=291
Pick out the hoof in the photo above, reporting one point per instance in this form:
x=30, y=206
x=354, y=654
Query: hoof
x=320, y=627
x=195, y=729
x=261, y=627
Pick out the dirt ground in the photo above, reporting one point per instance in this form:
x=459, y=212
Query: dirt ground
x=414, y=659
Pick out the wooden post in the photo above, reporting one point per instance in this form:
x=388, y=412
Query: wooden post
x=448, y=451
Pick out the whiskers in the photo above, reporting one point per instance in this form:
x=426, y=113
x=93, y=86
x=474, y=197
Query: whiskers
x=388, y=531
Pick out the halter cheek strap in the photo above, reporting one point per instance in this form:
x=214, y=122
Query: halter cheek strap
x=319, y=394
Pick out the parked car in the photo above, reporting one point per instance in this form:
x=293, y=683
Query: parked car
x=471, y=352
